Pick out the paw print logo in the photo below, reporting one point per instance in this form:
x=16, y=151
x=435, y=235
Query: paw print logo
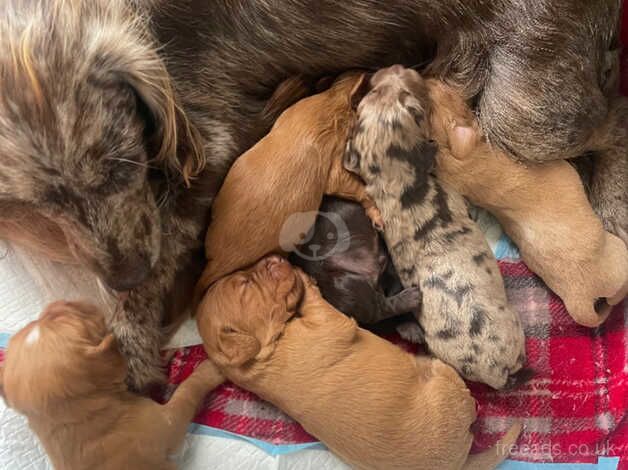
x=314, y=235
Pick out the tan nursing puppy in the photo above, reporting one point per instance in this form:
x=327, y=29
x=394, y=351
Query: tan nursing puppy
x=285, y=173
x=368, y=401
x=65, y=374
x=543, y=208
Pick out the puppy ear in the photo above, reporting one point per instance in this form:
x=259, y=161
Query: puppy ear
x=238, y=348
x=359, y=91
x=177, y=143
x=107, y=345
x=351, y=159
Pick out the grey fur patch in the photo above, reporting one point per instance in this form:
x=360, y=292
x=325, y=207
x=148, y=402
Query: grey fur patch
x=478, y=322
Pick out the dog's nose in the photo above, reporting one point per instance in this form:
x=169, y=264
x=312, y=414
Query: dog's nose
x=396, y=69
x=277, y=267
x=128, y=273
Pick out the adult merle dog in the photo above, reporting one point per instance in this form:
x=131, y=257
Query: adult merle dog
x=118, y=119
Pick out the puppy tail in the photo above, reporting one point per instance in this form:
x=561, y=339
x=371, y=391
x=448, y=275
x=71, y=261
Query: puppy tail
x=492, y=457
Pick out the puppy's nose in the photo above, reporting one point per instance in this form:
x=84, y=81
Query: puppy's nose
x=277, y=267
x=128, y=273
x=396, y=69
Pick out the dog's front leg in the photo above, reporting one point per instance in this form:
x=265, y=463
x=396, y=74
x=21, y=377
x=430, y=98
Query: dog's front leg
x=186, y=400
x=137, y=327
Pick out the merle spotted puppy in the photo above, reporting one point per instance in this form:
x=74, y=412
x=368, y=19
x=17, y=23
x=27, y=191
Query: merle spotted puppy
x=432, y=242
x=349, y=262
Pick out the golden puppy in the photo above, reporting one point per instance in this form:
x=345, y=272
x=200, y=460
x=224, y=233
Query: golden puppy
x=65, y=374
x=542, y=207
x=374, y=405
x=285, y=173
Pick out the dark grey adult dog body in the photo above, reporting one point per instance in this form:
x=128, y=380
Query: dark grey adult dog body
x=100, y=131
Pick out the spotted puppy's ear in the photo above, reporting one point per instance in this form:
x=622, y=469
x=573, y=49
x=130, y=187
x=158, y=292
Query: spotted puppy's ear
x=359, y=91
x=351, y=158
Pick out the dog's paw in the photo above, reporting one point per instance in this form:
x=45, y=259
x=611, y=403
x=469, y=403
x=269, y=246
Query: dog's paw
x=410, y=300
x=411, y=332
x=377, y=220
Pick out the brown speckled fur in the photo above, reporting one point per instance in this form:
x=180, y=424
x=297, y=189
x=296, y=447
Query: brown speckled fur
x=432, y=241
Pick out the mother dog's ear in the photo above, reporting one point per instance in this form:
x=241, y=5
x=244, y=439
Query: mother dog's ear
x=176, y=141
x=238, y=348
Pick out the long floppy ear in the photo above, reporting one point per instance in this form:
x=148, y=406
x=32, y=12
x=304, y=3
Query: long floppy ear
x=238, y=348
x=359, y=90
x=177, y=142
x=106, y=361
x=106, y=346
x=351, y=158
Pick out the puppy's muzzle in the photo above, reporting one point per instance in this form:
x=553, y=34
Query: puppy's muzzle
x=277, y=267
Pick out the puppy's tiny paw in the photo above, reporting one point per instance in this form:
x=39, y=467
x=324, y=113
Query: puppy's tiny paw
x=412, y=299
x=412, y=332
x=377, y=220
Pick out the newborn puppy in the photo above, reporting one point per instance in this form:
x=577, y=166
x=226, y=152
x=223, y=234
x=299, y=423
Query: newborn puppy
x=285, y=173
x=65, y=374
x=432, y=241
x=348, y=260
x=560, y=238
x=377, y=407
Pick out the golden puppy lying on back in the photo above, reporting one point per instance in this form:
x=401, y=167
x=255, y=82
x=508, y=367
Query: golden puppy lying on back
x=65, y=374
x=371, y=403
x=285, y=173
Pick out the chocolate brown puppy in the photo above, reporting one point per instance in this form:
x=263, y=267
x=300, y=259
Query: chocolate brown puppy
x=348, y=260
x=377, y=407
x=432, y=241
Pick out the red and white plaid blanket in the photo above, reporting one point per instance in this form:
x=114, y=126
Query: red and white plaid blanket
x=574, y=409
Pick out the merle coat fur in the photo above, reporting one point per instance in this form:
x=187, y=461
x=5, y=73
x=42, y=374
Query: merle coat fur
x=118, y=119
x=432, y=241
